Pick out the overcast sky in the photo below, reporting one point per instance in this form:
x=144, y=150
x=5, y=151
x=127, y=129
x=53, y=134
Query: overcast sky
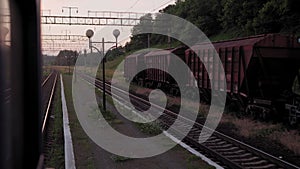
x=106, y=5
x=56, y=6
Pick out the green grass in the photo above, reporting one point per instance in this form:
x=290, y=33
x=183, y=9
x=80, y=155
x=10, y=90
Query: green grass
x=108, y=98
x=114, y=63
x=166, y=46
x=46, y=71
x=222, y=36
x=117, y=158
x=194, y=163
x=151, y=128
x=108, y=115
x=117, y=121
x=110, y=67
x=192, y=157
x=267, y=131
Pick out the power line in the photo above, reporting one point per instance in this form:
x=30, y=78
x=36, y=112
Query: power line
x=133, y=5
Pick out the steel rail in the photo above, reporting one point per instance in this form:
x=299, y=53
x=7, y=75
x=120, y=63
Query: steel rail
x=237, y=143
x=49, y=104
x=45, y=81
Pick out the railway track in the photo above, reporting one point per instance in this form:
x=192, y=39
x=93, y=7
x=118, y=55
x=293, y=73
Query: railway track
x=48, y=87
x=48, y=92
x=222, y=149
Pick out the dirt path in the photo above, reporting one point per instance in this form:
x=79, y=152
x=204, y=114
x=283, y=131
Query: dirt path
x=176, y=158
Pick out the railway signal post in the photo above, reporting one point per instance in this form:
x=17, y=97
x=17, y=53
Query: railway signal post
x=90, y=34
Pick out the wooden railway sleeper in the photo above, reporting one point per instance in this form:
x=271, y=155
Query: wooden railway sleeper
x=267, y=166
x=220, y=146
x=244, y=160
x=218, y=143
x=255, y=163
x=228, y=149
x=239, y=156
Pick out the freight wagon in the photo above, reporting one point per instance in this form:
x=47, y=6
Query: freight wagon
x=160, y=78
x=259, y=72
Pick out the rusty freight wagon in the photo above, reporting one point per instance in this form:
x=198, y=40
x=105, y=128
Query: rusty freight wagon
x=259, y=70
x=164, y=59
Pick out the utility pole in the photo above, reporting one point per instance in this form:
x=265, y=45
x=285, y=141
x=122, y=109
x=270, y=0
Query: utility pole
x=67, y=31
x=148, y=40
x=103, y=75
x=85, y=55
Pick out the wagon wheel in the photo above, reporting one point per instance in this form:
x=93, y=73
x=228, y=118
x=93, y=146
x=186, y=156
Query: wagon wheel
x=253, y=114
x=293, y=117
x=174, y=91
x=263, y=115
x=148, y=85
x=293, y=120
x=140, y=83
x=250, y=112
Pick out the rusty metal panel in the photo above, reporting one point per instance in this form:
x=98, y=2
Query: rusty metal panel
x=279, y=41
x=236, y=56
x=230, y=56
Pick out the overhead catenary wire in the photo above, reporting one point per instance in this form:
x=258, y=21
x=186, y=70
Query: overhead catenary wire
x=136, y=2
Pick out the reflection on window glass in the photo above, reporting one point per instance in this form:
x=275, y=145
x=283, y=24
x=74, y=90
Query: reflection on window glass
x=5, y=43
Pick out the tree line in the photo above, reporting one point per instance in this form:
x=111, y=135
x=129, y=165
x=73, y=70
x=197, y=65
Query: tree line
x=225, y=19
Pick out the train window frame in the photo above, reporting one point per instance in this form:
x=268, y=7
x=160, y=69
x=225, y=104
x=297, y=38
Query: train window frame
x=17, y=126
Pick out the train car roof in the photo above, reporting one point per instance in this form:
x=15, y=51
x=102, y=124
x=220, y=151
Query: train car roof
x=165, y=51
x=137, y=54
x=265, y=40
